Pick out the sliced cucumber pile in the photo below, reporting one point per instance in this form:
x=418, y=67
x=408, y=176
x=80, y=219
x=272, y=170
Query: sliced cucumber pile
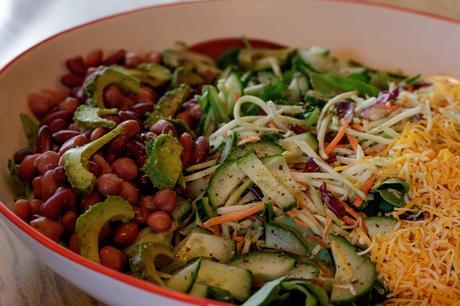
x=355, y=275
x=380, y=225
x=281, y=239
x=260, y=148
x=184, y=279
x=265, y=266
x=224, y=181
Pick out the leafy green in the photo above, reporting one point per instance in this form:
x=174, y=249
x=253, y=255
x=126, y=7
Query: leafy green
x=76, y=161
x=311, y=117
x=392, y=191
x=257, y=59
x=330, y=84
x=163, y=165
x=30, y=126
x=21, y=189
x=380, y=79
x=228, y=57
x=88, y=117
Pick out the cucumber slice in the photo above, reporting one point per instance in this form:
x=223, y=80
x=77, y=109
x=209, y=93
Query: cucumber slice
x=352, y=270
x=261, y=148
x=304, y=271
x=204, y=209
x=380, y=225
x=183, y=280
x=182, y=211
x=231, y=90
x=228, y=146
x=293, y=150
x=281, y=239
x=199, y=290
x=259, y=174
x=278, y=166
x=265, y=266
x=224, y=182
x=205, y=245
x=237, y=281
x=209, y=292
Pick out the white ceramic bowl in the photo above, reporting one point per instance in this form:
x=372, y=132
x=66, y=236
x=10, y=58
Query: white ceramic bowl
x=377, y=35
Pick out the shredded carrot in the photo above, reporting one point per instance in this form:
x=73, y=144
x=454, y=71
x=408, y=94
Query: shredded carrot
x=235, y=216
x=272, y=125
x=357, y=127
x=351, y=211
x=213, y=230
x=248, y=139
x=365, y=188
x=327, y=227
x=392, y=107
x=330, y=147
x=348, y=220
x=353, y=141
x=301, y=223
x=238, y=238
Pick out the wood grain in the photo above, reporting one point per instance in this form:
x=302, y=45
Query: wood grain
x=25, y=281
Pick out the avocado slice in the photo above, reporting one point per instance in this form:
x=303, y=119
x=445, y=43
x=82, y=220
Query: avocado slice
x=164, y=164
x=171, y=101
x=145, y=258
x=147, y=235
x=90, y=223
x=152, y=74
x=185, y=75
x=117, y=75
x=176, y=58
x=88, y=117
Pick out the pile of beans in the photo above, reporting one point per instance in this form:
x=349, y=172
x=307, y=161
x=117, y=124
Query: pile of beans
x=117, y=167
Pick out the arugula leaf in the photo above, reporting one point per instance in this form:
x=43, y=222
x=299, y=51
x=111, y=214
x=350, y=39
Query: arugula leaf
x=30, y=126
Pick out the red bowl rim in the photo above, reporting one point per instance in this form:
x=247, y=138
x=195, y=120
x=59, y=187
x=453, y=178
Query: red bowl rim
x=129, y=280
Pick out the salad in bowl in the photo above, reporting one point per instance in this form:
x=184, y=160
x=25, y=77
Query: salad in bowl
x=256, y=175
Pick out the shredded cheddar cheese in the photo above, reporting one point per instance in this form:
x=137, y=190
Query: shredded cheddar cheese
x=420, y=261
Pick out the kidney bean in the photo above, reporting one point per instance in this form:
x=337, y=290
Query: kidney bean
x=73, y=243
x=64, y=198
x=159, y=221
x=146, y=94
x=129, y=192
x=57, y=125
x=153, y=57
x=125, y=168
x=68, y=220
x=76, y=65
x=114, y=118
x=128, y=115
x=112, y=96
x=137, y=150
x=201, y=149
x=69, y=105
x=58, y=114
x=39, y=103
x=46, y=161
x=186, y=140
x=35, y=205
x=37, y=186
x=22, y=209
x=74, y=127
x=126, y=103
x=64, y=135
x=116, y=58
x=112, y=258
x=126, y=234
x=21, y=154
x=79, y=93
x=54, y=96
x=141, y=215
x=43, y=139
x=94, y=58
x=48, y=227
x=48, y=185
x=117, y=145
x=76, y=141
x=94, y=168
x=162, y=126
x=186, y=117
x=27, y=168
x=72, y=80
x=98, y=159
x=148, y=202
x=195, y=112
x=142, y=108
x=89, y=200
x=105, y=232
x=165, y=200
x=132, y=60
x=97, y=133
x=59, y=175
x=109, y=184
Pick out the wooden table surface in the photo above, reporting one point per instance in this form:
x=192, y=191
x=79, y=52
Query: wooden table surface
x=26, y=281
